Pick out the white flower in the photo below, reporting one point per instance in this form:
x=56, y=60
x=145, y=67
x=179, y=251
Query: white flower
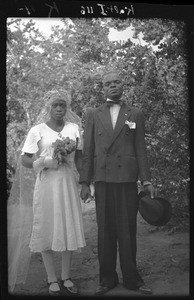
x=132, y=125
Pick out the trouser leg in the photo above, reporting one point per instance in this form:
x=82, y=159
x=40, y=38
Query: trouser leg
x=107, y=242
x=126, y=219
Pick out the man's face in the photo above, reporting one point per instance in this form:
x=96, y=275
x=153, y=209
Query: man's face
x=113, y=86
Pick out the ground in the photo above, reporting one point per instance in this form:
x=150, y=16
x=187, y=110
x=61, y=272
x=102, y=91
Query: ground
x=162, y=258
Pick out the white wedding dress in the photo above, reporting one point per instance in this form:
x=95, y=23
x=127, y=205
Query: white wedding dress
x=57, y=216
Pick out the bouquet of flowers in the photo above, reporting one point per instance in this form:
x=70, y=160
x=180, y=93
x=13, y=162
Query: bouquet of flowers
x=63, y=147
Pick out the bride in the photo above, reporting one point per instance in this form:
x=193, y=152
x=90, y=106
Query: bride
x=46, y=216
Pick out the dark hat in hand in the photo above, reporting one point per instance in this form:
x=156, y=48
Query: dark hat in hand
x=156, y=211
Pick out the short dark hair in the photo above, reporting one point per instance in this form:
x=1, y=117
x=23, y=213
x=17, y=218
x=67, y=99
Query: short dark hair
x=111, y=72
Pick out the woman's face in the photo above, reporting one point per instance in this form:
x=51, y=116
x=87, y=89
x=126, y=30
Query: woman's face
x=58, y=109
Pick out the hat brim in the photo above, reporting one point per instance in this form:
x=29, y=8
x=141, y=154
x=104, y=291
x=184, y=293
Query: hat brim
x=166, y=211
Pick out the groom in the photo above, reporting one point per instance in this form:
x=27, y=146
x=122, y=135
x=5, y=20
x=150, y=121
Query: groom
x=114, y=157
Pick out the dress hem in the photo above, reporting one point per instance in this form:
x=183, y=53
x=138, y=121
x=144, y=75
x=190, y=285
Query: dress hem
x=56, y=250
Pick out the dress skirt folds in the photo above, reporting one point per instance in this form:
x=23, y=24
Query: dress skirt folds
x=57, y=223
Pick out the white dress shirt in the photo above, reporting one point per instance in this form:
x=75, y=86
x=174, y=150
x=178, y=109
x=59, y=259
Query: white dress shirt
x=114, y=112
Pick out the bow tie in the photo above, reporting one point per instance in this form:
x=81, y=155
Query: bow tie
x=111, y=102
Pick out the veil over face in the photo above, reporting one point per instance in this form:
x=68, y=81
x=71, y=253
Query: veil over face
x=19, y=206
x=47, y=101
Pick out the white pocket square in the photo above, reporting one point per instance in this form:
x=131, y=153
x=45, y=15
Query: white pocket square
x=132, y=125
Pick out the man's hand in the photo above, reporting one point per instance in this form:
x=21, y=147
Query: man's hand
x=149, y=189
x=85, y=192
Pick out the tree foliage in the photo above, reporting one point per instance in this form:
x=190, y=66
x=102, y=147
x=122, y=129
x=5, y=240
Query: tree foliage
x=155, y=77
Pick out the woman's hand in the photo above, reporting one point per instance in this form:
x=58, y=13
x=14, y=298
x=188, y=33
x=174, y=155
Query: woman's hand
x=50, y=163
x=38, y=164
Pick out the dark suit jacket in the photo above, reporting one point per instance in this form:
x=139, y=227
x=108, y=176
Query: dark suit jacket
x=117, y=155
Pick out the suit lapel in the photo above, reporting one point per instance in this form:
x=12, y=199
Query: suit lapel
x=105, y=118
x=124, y=115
